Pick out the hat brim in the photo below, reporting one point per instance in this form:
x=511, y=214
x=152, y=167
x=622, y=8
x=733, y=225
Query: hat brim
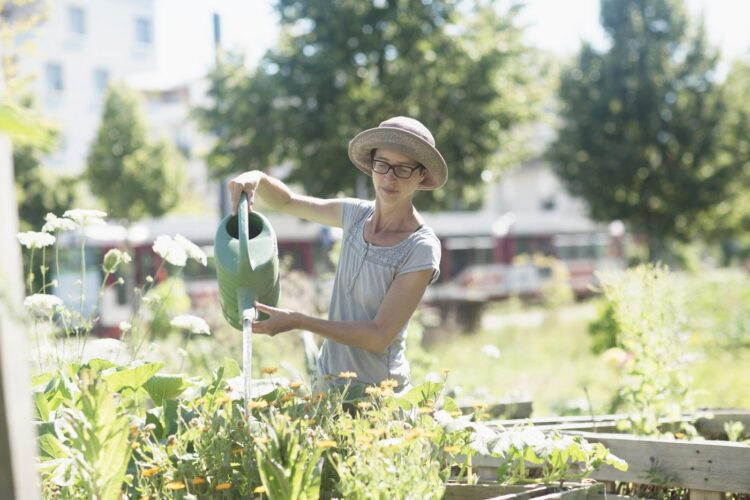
x=404, y=142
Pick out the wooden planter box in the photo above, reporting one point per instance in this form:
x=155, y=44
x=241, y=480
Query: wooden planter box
x=707, y=468
x=570, y=491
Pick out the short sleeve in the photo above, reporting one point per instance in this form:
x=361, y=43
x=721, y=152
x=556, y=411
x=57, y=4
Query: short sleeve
x=353, y=210
x=424, y=255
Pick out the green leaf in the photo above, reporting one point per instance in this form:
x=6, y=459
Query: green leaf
x=161, y=387
x=132, y=377
x=51, y=447
x=41, y=406
x=231, y=368
x=99, y=365
x=420, y=394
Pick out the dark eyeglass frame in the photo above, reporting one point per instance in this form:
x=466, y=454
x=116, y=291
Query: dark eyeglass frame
x=405, y=172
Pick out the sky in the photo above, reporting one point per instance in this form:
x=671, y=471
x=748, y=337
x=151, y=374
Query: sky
x=184, y=29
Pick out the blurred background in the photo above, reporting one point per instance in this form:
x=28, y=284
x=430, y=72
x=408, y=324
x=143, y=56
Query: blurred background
x=581, y=137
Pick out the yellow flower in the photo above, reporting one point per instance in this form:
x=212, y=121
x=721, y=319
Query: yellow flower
x=364, y=405
x=389, y=383
x=175, y=485
x=348, y=375
x=374, y=391
x=287, y=397
x=223, y=486
x=135, y=445
x=424, y=410
x=295, y=385
x=224, y=399
x=151, y=472
x=452, y=449
x=260, y=440
x=456, y=413
x=326, y=444
x=238, y=451
x=257, y=404
x=446, y=371
x=269, y=370
x=197, y=481
x=260, y=489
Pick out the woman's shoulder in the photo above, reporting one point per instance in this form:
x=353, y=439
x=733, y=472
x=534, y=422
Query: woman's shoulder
x=355, y=209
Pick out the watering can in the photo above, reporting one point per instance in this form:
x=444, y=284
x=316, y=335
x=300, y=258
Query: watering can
x=247, y=263
x=247, y=267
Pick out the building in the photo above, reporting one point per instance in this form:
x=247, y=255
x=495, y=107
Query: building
x=81, y=47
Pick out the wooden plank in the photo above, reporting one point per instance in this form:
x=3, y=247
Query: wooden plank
x=454, y=491
x=701, y=465
x=705, y=495
x=713, y=426
x=18, y=477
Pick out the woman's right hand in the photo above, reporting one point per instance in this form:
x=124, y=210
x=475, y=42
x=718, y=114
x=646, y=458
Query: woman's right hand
x=247, y=183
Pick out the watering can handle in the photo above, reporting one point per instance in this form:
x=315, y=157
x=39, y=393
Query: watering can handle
x=243, y=234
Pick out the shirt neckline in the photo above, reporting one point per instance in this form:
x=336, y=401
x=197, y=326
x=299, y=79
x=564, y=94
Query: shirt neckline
x=384, y=247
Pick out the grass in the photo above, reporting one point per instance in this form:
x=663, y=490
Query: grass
x=545, y=356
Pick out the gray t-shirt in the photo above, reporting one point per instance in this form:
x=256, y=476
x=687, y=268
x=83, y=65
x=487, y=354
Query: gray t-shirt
x=363, y=276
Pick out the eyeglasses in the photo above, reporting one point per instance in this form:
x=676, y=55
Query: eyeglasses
x=400, y=171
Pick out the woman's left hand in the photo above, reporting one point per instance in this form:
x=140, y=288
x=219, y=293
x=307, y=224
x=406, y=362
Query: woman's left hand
x=279, y=320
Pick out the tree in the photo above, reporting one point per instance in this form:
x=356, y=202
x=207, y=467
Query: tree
x=728, y=222
x=459, y=67
x=641, y=121
x=132, y=176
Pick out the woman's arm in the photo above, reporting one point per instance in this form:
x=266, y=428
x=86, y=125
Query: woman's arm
x=376, y=335
x=279, y=197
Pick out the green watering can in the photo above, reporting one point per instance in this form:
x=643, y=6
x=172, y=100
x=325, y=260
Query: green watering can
x=247, y=267
x=247, y=263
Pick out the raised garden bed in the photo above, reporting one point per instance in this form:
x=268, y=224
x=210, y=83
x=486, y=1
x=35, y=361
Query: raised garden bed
x=708, y=468
x=569, y=491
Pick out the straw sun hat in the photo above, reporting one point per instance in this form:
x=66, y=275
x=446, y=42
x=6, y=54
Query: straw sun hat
x=410, y=138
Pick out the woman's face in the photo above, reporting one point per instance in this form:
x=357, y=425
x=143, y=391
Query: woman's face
x=390, y=188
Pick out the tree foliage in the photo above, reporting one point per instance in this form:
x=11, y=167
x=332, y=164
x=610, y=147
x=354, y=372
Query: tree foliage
x=729, y=221
x=641, y=122
x=132, y=176
x=344, y=66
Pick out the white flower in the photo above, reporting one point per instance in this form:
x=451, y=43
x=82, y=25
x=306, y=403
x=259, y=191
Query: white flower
x=31, y=239
x=491, y=351
x=113, y=258
x=125, y=326
x=433, y=378
x=170, y=250
x=193, y=251
x=55, y=223
x=86, y=217
x=42, y=304
x=193, y=324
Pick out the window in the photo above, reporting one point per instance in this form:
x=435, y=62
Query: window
x=143, y=31
x=101, y=80
x=77, y=20
x=54, y=75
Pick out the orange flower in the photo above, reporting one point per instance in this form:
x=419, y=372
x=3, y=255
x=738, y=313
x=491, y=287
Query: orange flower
x=223, y=486
x=269, y=370
x=238, y=451
x=295, y=385
x=260, y=489
x=326, y=444
x=151, y=472
x=262, y=403
x=197, y=481
x=175, y=485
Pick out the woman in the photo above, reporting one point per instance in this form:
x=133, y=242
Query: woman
x=388, y=256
